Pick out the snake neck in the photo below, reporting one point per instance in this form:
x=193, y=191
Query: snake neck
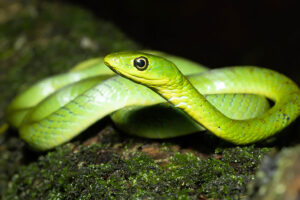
x=183, y=95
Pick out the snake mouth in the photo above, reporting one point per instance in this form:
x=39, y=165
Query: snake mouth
x=112, y=63
x=119, y=71
x=107, y=62
x=111, y=67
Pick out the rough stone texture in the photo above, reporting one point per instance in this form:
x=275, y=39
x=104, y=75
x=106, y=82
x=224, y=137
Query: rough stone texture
x=278, y=177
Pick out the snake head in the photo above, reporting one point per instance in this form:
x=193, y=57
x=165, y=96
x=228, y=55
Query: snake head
x=142, y=68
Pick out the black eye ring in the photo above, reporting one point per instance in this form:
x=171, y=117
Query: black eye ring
x=141, y=63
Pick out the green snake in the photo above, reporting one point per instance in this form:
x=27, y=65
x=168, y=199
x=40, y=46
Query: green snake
x=156, y=96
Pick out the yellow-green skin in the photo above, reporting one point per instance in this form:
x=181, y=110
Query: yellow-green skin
x=58, y=108
x=163, y=77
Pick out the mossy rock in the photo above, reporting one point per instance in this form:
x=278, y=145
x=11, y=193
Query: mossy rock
x=38, y=39
x=100, y=172
x=278, y=176
x=41, y=39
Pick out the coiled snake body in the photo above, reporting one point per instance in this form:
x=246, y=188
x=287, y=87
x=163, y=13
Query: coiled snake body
x=233, y=107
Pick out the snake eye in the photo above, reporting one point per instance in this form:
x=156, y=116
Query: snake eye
x=141, y=63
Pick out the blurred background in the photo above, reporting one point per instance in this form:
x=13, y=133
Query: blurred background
x=215, y=33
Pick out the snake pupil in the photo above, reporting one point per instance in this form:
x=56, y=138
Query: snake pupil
x=141, y=63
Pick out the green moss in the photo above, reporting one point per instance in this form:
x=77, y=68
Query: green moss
x=219, y=178
x=10, y=158
x=39, y=39
x=98, y=172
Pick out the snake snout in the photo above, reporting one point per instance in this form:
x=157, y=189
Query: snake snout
x=108, y=61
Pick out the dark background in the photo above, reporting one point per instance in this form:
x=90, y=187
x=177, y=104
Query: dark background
x=215, y=33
